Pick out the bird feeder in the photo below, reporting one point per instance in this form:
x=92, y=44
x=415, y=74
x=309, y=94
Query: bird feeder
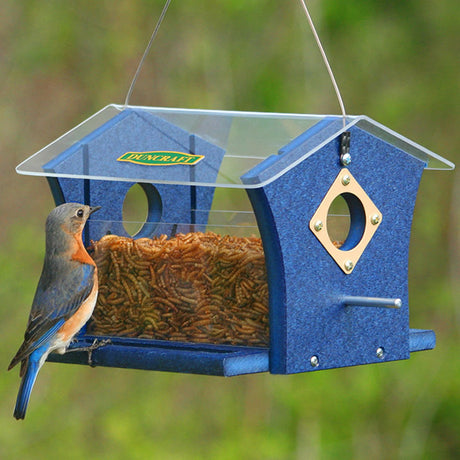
x=272, y=242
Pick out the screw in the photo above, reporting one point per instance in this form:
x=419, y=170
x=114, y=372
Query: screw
x=380, y=353
x=318, y=225
x=346, y=179
x=314, y=361
x=375, y=219
x=345, y=159
x=348, y=265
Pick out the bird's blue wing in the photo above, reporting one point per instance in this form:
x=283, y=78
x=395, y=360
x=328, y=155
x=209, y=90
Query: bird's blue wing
x=59, y=295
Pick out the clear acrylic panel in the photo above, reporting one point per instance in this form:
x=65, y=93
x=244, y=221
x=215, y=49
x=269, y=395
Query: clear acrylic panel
x=239, y=141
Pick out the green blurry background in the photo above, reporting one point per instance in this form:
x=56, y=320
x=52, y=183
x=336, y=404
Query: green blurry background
x=397, y=62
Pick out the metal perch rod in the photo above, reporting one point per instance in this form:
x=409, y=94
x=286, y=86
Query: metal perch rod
x=359, y=301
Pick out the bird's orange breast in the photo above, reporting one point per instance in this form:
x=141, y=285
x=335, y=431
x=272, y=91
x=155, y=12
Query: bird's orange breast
x=80, y=318
x=80, y=254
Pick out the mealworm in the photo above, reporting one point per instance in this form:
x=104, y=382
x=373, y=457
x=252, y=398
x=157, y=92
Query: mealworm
x=197, y=287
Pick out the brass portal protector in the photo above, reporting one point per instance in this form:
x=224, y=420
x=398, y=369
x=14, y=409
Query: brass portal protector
x=365, y=219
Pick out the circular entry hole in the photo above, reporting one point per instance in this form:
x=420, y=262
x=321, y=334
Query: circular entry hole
x=135, y=209
x=346, y=221
x=142, y=210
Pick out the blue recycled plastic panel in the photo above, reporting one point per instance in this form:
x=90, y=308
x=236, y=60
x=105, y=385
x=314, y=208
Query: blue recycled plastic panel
x=306, y=316
x=136, y=130
x=156, y=355
x=167, y=203
x=191, y=358
x=421, y=340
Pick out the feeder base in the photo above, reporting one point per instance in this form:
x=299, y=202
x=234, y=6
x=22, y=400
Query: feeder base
x=421, y=339
x=226, y=361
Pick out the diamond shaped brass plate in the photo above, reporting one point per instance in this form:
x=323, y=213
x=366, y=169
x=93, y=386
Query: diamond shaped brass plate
x=365, y=220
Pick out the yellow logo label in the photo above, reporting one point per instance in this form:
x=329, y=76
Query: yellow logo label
x=161, y=158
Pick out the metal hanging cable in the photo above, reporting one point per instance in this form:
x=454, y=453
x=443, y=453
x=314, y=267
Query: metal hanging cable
x=146, y=52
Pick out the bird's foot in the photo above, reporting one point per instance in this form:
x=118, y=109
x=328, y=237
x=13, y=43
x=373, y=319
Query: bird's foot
x=94, y=346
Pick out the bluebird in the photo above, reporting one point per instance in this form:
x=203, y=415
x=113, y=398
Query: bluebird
x=65, y=297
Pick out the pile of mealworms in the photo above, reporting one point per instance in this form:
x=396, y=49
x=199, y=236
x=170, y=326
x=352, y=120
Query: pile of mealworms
x=194, y=287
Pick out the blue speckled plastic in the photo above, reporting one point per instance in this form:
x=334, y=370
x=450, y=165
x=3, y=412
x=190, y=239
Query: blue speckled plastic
x=139, y=131
x=136, y=130
x=155, y=355
x=306, y=317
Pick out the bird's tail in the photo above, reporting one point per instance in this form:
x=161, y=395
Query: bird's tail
x=35, y=361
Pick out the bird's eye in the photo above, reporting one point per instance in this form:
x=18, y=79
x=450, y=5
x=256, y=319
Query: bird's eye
x=80, y=213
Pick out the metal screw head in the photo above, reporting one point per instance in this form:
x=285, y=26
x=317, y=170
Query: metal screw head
x=348, y=265
x=380, y=353
x=346, y=179
x=314, y=361
x=318, y=225
x=375, y=219
x=345, y=159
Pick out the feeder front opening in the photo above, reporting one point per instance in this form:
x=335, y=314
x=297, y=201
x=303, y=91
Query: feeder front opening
x=198, y=287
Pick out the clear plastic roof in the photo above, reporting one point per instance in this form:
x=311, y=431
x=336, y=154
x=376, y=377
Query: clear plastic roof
x=194, y=147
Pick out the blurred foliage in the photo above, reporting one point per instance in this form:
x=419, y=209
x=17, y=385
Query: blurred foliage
x=394, y=61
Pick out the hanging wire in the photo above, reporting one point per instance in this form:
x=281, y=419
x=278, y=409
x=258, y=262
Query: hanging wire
x=146, y=52
x=312, y=27
x=326, y=62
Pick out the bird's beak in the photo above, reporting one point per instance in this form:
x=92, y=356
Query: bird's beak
x=93, y=209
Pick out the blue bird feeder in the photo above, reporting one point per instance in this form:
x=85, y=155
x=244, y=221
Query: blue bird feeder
x=337, y=278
